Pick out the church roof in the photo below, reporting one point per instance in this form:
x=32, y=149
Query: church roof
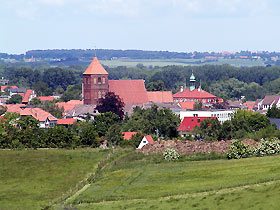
x=130, y=91
x=194, y=94
x=95, y=67
x=160, y=96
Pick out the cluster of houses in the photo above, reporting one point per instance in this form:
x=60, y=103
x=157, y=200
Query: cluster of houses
x=133, y=93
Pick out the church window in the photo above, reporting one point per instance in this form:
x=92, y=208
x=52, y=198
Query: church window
x=99, y=80
x=94, y=80
x=99, y=94
x=103, y=80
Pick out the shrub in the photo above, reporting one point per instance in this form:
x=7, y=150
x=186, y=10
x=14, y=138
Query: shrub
x=238, y=150
x=171, y=154
x=268, y=147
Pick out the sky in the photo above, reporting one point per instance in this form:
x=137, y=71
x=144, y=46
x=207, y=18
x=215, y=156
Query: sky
x=173, y=25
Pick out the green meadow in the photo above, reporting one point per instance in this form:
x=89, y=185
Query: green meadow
x=125, y=179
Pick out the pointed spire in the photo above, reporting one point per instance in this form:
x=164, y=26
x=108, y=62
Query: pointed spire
x=95, y=67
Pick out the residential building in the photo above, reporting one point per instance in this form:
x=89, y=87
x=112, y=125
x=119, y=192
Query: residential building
x=268, y=102
x=146, y=140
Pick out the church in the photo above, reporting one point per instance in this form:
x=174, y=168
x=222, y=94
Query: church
x=133, y=92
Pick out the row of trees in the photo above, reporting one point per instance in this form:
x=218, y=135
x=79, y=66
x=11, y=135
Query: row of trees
x=243, y=124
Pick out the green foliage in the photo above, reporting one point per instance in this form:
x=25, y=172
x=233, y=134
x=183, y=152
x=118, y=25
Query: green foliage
x=88, y=134
x=42, y=89
x=238, y=150
x=15, y=99
x=114, y=135
x=3, y=109
x=35, y=102
x=273, y=112
x=155, y=120
x=209, y=129
x=52, y=108
x=104, y=121
x=73, y=92
x=171, y=154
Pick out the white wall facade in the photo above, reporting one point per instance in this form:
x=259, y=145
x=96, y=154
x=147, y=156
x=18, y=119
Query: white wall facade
x=222, y=115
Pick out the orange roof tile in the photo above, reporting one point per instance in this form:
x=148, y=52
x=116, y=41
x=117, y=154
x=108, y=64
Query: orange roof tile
x=150, y=139
x=160, y=96
x=26, y=96
x=95, y=67
x=66, y=121
x=67, y=106
x=38, y=113
x=14, y=108
x=195, y=94
x=187, y=105
x=128, y=135
x=46, y=98
x=130, y=91
x=3, y=87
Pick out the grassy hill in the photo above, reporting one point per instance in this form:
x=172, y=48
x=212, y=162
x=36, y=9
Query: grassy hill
x=81, y=179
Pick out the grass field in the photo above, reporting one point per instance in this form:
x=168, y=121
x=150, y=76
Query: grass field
x=182, y=62
x=128, y=180
x=214, y=184
x=33, y=179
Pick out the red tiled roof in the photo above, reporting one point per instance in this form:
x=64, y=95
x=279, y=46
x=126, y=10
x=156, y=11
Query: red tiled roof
x=128, y=135
x=14, y=108
x=46, y=98
x=66, y=121
x=95, y=67
x=250, y=104
x=189, y=123
x=38, y=113
x=187, y=105
x=67, y=106
x=5, y=86
x=160, y=96
x=130, y=91
x=75, y=102
x=195, y=94
x=26, y=96
x=149, y=138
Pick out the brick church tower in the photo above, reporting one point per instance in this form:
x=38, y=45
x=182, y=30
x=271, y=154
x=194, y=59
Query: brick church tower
x=95, y=82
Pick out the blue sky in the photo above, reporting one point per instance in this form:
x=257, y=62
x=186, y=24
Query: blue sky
x=174, y=25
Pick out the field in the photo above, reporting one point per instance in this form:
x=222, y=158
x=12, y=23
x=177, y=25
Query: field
x=182, y=62
x=34, y=179
x=130, y=180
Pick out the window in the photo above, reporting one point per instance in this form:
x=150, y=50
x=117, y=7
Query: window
x=99, y=94
x=145, y=142
x=94, y=80
x=99, y=80
x=103, y=80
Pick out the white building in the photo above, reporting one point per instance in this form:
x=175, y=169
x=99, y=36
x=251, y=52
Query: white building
x=222, y=115
x=146, y=140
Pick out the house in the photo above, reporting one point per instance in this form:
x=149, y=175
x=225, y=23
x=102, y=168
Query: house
x=194, y=94
x=160, y=96
x=69, y=105
x=268, y=102
x=82, y=112
x=66, y=121
x=28, y=96
x=46, y=120
x=146, y=140
x=15, y=108
x=7, y=88
x=187, y=105
x=221, y=115
x=128, y=135
x=189, y=123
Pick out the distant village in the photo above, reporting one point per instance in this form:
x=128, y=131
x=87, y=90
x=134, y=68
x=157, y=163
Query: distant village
x=192, y=104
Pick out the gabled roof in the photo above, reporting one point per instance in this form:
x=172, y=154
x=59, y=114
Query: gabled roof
x=128, y=135
x=38, y=113
x=149, y=138
x=66, y=121
x=195, y=94
x=3, y=87
x=270, y=99
x=67, y=106
x=46, y=98
x=130, y=91
x=82, y=109
x=160, y=96
x=15, y=108
x=95, y=67
x=189, y=123
x=187, y=105
x=250, y=104
x=26, y=96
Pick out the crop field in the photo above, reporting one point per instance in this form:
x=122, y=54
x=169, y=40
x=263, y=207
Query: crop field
x=130, y=180
x=182, y=62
